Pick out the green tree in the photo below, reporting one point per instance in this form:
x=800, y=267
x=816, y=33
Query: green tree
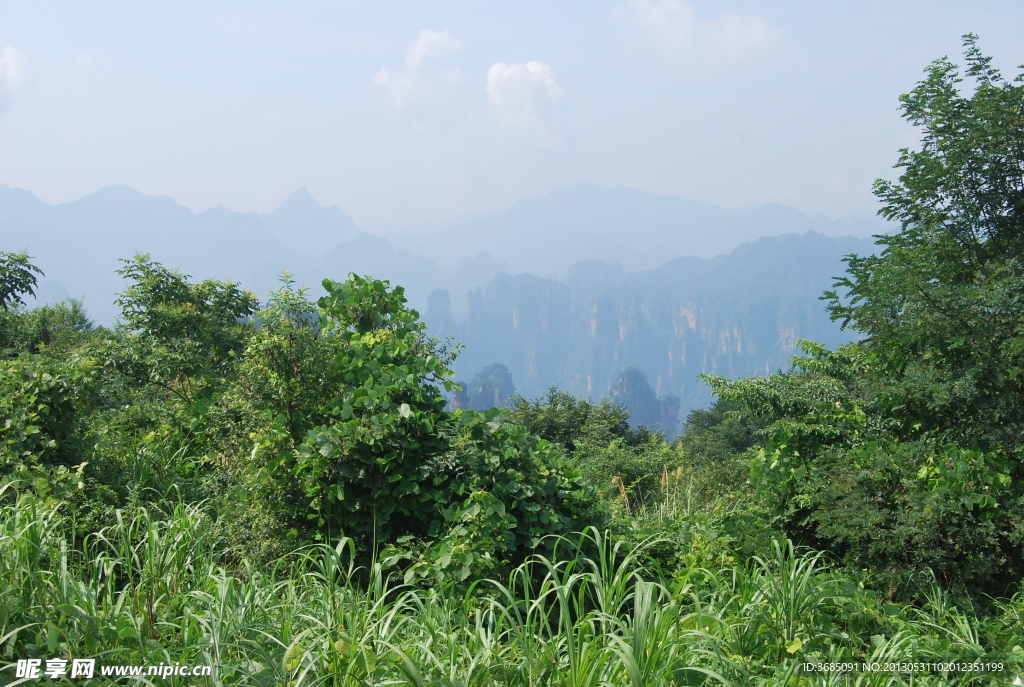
x=42, y=398
x=56, y=329
x=288, y=366
x=623, y=464
x=720, y=432
x=363, y=468
x=17, y=277
x=566, y=420
x=176, y=334
x=906, y=450
x=24, y=332
x=353, y=438
x=41, y=404
x=940, y=304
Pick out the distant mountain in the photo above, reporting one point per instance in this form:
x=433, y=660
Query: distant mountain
x=640, y=230
x=627, y=279
x=735, y=314
x=308, y=227
x=78, y=245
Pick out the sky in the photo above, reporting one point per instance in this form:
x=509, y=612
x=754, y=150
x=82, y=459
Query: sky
x=420, y=111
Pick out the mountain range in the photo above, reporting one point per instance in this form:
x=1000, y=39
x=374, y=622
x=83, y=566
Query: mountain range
x=736, y=314
x=569, y=288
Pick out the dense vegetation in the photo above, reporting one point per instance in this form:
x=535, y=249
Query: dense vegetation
x=278, y=491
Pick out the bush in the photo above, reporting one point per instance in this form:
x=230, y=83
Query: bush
x=351, y=437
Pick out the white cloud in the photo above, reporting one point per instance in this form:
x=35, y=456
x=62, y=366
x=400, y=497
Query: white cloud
x=85, y=59
x=673, y=28
x=414, y=82
x=430, y=44
x=12, y=67
x=517, y=92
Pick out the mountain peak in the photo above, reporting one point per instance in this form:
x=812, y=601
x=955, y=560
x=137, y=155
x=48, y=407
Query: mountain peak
x=307, y=226
x=120, y=199
x=300, y=198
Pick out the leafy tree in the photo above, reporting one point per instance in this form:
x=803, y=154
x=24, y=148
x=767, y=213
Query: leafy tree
x=504, y=494
x=355, y=438
x=24, y=331
x=566, y=420
x=623, y=464
x=363, y=467
x=41, y=403
x=906, y=450
x=840, y=474
x=176, y=334
x=42, y=399
x=17, y=277
x=941, y=303
x=287, y=367
x=56, y=328
x=724, y=430
x=630, y=477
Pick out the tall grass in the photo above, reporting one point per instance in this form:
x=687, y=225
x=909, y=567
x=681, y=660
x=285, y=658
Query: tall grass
x=153, y=588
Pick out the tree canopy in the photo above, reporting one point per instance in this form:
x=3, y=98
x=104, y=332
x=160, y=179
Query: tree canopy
x=17, y=277
x=907, y=449
x=941, y=304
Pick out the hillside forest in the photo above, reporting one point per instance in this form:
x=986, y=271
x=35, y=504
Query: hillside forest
x=298, y=492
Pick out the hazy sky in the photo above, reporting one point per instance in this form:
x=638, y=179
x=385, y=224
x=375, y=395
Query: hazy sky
x=419, y=111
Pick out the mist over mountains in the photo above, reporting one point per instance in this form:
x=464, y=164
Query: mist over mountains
x=640, y=230
x=570, y=288
x=736, y=314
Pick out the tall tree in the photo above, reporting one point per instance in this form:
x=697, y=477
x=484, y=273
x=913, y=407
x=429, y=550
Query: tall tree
x=906, y=450
x=942, y=305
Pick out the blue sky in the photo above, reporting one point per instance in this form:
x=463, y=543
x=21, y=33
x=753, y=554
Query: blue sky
x=420, y=111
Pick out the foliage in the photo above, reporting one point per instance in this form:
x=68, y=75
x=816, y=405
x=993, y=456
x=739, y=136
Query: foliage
x=151, y=589
x=177, y=334
x=363, y=467
x=57, y=329
x=40, y=402
x=352, y=437
x=839, y=474
x=60, y=326
x=720, y=432
x=904, y=451
x=508, y=492
x=940, y=305
x=17, y=277
x=565, y=419
x=629, y=476
x=287, y=370
x=622, y=464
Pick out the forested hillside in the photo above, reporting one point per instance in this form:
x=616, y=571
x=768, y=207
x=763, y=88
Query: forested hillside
x=736, y=314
